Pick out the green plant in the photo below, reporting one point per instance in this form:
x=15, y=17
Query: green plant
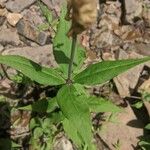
x=145, y=141
x=43, y=132
x=51, y=23
x=73, y=103
x=145, y=98
x=117, y=145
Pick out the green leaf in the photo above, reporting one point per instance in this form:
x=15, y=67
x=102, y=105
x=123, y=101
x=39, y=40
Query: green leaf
x=138, y=105
x=38, y=132
x=42, y=106
x=75, y=109
x=21, y=78
x=46, y=12
x=72, y=132
x=15, y=145
x=146, y=96
x=145, y=144
x=56, y=117
x=42, y=75
x=62, y=45
x=43, y=27
x=101, y=105
x=147, y=127
x=104, y=71
x=33, y=123
x=46, y=123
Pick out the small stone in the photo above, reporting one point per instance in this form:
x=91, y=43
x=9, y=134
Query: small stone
x=2, y=3
x=145, y=87
x=63, y=144
x=1, y=48
x=9, y=37
x=146, y=14
x=40, y=54
x=3, y=12
x=129, y=33
x=2, y=19
x=112, y=132
x=126, y=82
x=133, y=9
x=32, y=16
x=19, y=5
x=13, y=18
x=48, y=4
x=29, y=31
x=142, y=49
x=54, y=6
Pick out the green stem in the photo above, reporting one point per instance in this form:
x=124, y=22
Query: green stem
x=73, y=49
x=5, y=72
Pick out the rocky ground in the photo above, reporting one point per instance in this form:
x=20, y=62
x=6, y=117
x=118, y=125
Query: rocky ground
x=122, y=31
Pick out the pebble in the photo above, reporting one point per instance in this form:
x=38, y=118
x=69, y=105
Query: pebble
x=40, y=54
x=2, y=19
x=33, y=17
x=63, y=144
x=129, y=79
x=133, y=9
x=2, y=3
x=3, y=12
x=8, y=36
x=19, y=5
x=13, y=18
x=146, y=14
x=1, y=48
x=29, y=31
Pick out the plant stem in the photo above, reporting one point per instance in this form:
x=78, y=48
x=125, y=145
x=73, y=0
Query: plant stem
x=5, y=72
x=73, y=49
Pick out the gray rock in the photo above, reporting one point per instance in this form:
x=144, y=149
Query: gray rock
x=126, y=82
x=101, y=38
x=9, y=37
x=54, y=5
x=31, y=32
x=41, y=54
x=63, y=144
x=146, y=12
x=142, y=49
x=32, y=15
x=121, y=130
x=48, y=3
x=1, y=48
x=19, y=5
x=133, y=9
x=2, y=3
x=2, y=19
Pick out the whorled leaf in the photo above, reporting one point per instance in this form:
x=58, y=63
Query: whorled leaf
x=72, y=132
x=42, y=106
x=104, y=71
x=42, y=75
x=76, y=110
x=98, y=104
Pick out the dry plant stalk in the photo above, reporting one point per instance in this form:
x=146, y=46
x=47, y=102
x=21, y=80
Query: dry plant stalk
x=82, y=13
